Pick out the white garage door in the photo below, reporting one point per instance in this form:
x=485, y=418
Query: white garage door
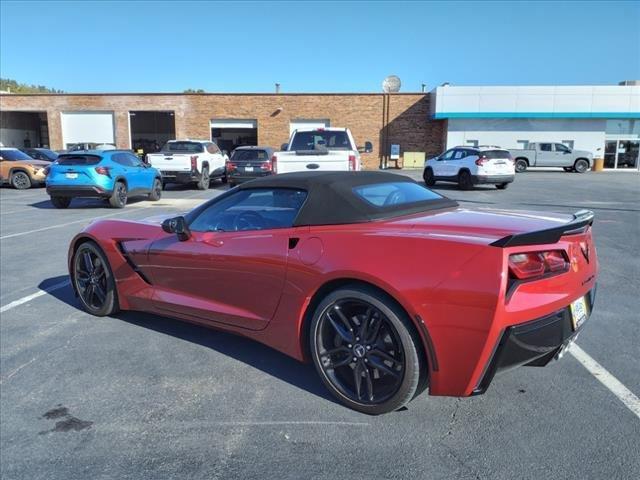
x=87, y=127
x=308, y=123
x=234, y=123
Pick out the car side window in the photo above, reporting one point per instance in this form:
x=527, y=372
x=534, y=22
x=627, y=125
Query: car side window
x=121, y=159
x=251, y=209
x=545, y=147
x=212, y=148
x=459, y=154
x=561, y=148
x=133, y=160
x=448, y=155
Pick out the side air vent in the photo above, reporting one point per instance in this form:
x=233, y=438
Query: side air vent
x=131, y=263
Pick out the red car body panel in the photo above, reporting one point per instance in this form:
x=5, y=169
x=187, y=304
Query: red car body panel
x=439, y=266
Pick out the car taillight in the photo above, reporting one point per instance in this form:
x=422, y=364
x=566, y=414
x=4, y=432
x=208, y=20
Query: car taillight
x=266, y=166
x=230, y=166
x=103, y=171
x=194, y=163
x=481, y=161
x=274, y=164
x=352, y=162
x=524, y=266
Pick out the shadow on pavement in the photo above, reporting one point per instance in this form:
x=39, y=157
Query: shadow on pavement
x=239, y=348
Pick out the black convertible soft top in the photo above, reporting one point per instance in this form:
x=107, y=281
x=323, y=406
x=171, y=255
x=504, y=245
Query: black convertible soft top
x=331, y=198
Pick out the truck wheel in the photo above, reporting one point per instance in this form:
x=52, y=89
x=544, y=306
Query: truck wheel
x=465, y=182
x=20, y=180
x=581, y=165
x=502, y=186
x=429, y=179
x=203, y=183
x=521, y=165
x=60, y=202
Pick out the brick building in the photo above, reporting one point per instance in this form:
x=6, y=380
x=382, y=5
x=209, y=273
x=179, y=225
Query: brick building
x=146, y=120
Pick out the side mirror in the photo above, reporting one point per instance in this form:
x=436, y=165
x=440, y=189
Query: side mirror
x=177, y=225
x=368, y=147
x=284, y=146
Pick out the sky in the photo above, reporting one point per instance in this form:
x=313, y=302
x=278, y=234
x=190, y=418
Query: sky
x=306, y=46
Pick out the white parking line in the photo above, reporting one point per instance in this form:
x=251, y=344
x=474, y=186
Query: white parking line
x=33, y=296
x=614, y=385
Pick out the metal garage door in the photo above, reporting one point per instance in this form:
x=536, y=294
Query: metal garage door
x=308, y=123
x=87, y=127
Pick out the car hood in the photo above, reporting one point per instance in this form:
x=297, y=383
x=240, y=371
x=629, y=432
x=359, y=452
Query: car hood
x=481, y=225
x=36, y=163
x=582, y=153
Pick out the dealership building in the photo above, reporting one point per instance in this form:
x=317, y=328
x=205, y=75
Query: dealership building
x=602, y=119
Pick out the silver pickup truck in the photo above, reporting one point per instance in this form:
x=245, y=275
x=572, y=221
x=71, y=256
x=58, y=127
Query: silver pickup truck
x=547, y=154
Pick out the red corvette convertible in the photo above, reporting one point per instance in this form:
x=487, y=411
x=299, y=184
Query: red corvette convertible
x=386, y=286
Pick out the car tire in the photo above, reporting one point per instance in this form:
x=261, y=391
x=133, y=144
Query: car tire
x=118, y=198
x=428, y=177
x=502, y=186
x=94, y=284
x=393, y=353
x=203, y=183
x=568, y=169
x=224, y=179
x=61, y=202
x=156, y=191
x=521, y=165
x=20, y=180
x=465, y=182
x=581, y=165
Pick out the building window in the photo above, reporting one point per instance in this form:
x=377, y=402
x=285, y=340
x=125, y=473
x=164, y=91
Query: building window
x=568, y=143
x=523, y=144
x=473, y=143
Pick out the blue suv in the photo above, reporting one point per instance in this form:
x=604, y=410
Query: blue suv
x=111, y=174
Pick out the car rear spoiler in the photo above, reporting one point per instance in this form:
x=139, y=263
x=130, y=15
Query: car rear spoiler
x=581, y=221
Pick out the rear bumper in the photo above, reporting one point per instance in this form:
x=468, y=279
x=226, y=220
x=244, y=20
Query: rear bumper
x=239, y=177
x=496, y=179
x=78, y=191
x=532, y=344
x=189, y=177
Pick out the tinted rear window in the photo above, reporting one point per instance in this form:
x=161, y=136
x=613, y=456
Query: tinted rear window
x=182, y=147
x=395, y=193
x=78, y=160
x=320, y=140
x=248, y=155
x=14, y=155
x=495, y=154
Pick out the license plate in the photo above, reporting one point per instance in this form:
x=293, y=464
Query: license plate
x=71, y=175
x=579, y=312
x=248, y=169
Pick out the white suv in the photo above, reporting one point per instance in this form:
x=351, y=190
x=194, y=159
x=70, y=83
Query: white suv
x=469, y=166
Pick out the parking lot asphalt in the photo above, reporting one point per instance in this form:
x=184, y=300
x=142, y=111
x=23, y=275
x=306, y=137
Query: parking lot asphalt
x=136, y=396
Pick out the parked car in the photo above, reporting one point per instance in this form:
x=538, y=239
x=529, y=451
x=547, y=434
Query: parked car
x=247, y=163
x=20, y=170
x=323, y=266
x=469, y=166
x=190, y=161
x=320, y=149
x=115, y=175
x=41, y=154
x=547, y=154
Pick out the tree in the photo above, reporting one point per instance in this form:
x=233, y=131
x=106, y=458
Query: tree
x=12, y=86
x=191, y=90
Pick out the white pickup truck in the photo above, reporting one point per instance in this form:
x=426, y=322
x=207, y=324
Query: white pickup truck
x=312, y=149
x=190, y=161
x=549, y=154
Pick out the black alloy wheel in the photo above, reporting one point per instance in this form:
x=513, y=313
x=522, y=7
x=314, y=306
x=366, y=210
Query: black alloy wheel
x=465, y=182
x=364, y=352
x=118, y=198
x=428, y=177
x=20, y=180
x=93, y=280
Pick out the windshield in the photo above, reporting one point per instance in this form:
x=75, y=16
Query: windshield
x=182, y=147
x=320, y=140
x=14, y=155
x=247, y=155
x=395, y=193
x=495, y=154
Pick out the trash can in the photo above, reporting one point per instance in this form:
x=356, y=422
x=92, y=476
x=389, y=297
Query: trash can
x=598, y=164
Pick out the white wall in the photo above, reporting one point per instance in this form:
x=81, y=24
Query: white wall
x=87, y=127
x=587, y=134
